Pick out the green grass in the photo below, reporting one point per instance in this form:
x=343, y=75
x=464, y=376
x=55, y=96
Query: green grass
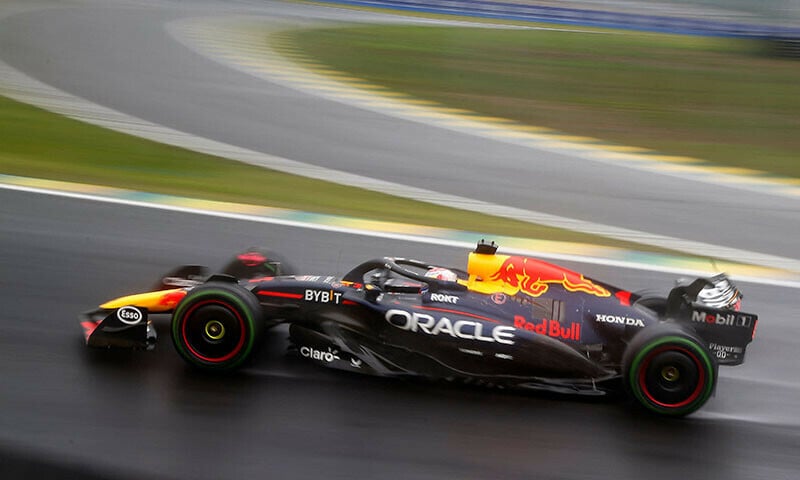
x=37, y=143
x=720, y=100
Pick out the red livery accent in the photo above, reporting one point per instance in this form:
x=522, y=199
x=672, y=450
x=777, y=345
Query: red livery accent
x=88, y=328
x=624, y=298
x=251, y=259
x=262, y=279
x=172, y=298
x=268, y=293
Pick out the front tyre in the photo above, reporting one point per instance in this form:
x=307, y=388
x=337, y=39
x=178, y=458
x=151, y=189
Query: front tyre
x=217, y=326
x=668, y=370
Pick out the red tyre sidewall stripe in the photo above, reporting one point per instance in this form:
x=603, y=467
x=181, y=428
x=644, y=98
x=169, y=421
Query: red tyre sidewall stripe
x=697, y=391
x=194, y=352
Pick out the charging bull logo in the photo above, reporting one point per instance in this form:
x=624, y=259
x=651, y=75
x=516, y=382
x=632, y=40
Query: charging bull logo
x=534, y=277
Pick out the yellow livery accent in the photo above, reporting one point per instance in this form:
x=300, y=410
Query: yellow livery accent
x=161, y=301
x=509, y=274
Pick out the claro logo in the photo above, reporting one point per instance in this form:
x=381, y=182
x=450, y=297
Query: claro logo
x=466, y=329
x=322, y=355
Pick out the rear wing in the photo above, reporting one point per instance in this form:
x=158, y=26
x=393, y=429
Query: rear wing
x=711, y=308
x=727, y=332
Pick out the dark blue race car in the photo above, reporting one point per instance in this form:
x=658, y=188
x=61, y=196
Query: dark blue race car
x=507, y=321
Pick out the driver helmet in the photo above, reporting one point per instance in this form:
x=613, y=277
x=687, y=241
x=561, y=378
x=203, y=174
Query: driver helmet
x=722, y=293
x=440, y=273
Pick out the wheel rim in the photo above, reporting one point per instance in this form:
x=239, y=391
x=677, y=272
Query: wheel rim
x=670, y=373
x=672, y=377
x=213, y=331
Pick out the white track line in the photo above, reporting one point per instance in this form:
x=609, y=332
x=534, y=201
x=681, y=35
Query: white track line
x=387, y=235
x=21, y=87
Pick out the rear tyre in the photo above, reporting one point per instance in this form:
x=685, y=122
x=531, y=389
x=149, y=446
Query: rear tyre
x=668, y=370
x=657, y=305
x=217, y=327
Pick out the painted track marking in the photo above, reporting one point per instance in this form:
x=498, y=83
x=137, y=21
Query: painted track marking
x=412, y=233
x=21, y=87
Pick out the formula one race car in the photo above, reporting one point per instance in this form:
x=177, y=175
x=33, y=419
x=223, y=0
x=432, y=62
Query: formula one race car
x=507, y=321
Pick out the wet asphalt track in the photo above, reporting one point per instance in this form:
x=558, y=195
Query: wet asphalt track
x=66, y=411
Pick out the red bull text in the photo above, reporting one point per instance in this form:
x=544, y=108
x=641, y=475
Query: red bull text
x=551, y=328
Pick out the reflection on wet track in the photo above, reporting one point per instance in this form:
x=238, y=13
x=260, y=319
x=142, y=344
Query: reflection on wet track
x=120, y=414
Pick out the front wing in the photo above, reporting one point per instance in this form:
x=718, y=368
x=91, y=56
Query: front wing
x=124, y=322
x=124, y=327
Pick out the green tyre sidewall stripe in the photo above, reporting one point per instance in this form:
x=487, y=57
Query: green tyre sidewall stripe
x=244, y=309
x=691, y=345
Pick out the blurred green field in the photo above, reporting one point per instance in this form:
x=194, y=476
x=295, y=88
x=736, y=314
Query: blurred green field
x=37, y=143
x=720, y=100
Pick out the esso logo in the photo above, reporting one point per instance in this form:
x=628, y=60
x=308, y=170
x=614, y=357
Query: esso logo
x=129, y=315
